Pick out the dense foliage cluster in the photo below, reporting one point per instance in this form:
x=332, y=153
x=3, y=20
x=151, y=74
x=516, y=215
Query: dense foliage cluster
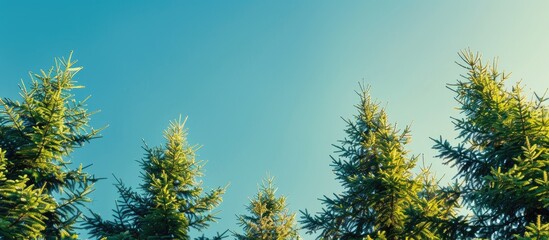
x=501, y=192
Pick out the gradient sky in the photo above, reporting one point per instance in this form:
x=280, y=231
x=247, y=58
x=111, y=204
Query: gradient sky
x=264, y=83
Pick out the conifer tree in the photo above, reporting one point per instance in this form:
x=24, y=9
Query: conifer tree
x=41, y=193
x=268, y=218
x=171, y=200
x=503, y=153
x=381, y=198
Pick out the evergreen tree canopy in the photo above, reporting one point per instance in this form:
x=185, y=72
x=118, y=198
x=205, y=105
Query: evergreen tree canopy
x=171, y=199
x=381, y=198
x=502, y=159
x=40, y=193
x=503, y=154
x=268, y=217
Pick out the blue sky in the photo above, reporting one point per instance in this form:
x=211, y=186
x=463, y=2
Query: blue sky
x=264, y=83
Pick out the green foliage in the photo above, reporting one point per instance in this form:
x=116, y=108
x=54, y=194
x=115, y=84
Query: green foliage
x=536, y=231
x=269, y=219
x=37, y=136
x=503, y=156
x=381, y=198
x=22, y=208
x=434, y=214
x=172, y=200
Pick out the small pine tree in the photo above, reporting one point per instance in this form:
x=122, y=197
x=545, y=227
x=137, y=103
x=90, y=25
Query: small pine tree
x=172, y=199
x=381, y=198
x=503, y=155
x=37, y=137
x=269, y=219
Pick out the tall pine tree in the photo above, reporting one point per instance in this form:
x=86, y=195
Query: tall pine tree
x=41, y=192
x=381, y=199
x=269, y=218
x=503, y=154
x=171, y=200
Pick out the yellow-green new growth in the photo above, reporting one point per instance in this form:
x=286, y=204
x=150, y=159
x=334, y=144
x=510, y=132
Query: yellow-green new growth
x=23, y=207
x=536, y=231
x=268, y=218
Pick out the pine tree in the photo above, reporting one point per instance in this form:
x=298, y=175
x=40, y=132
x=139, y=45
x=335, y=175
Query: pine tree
x=503, y=154
x=171, y=200
x=37, y=136
x=381, y=198
x=268, y=217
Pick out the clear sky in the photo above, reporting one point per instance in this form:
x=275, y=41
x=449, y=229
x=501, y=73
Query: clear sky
x=264, y=83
